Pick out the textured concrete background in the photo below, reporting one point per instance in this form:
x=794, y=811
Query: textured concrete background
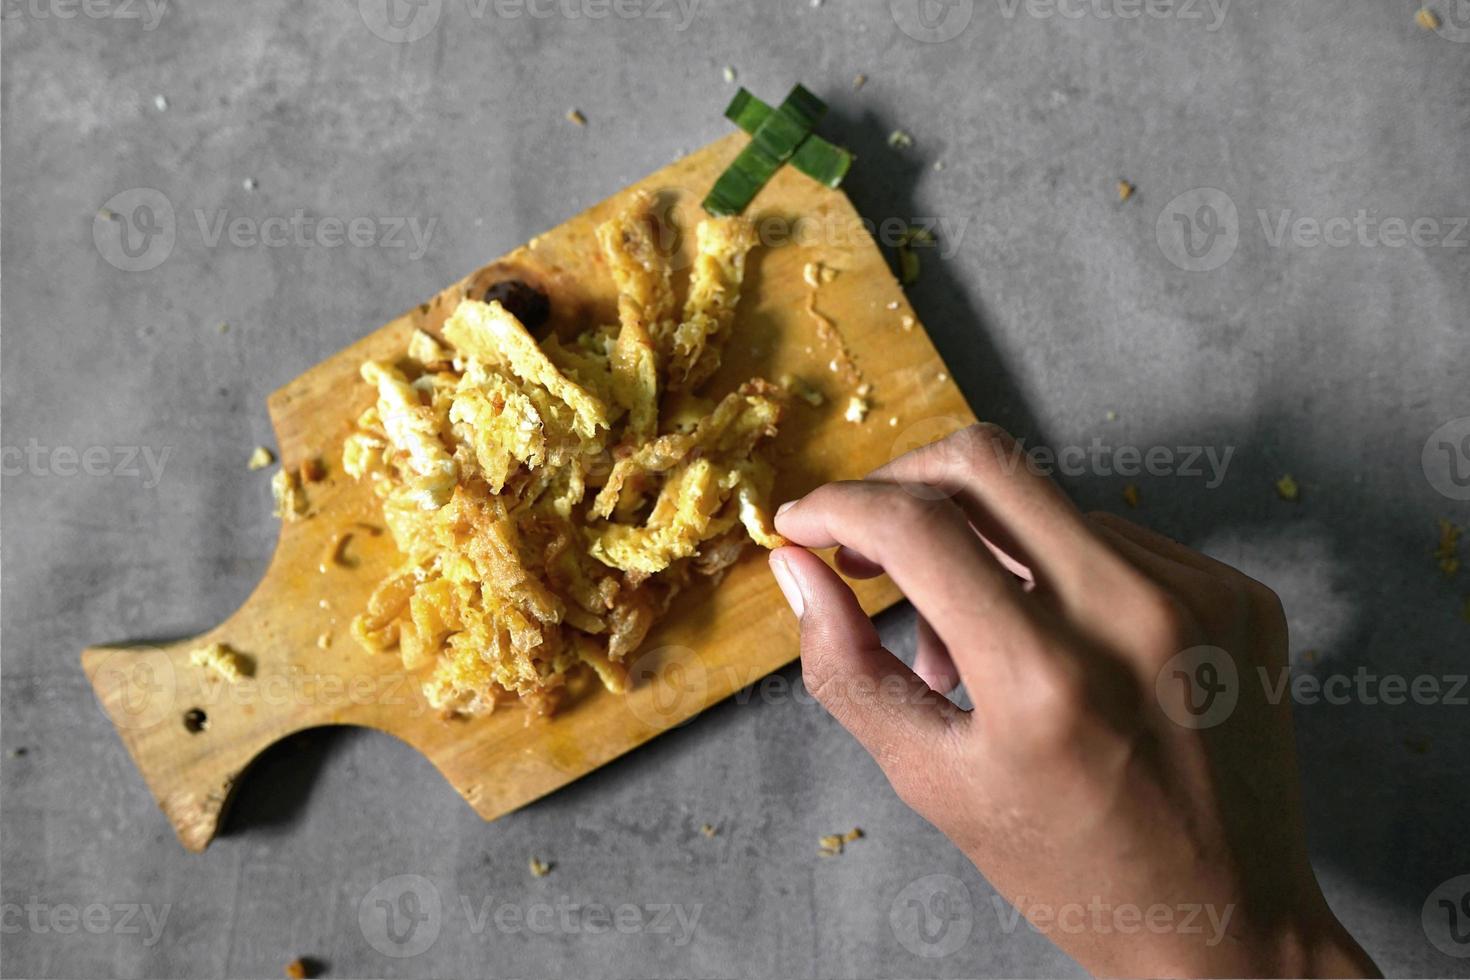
x=1065, y=315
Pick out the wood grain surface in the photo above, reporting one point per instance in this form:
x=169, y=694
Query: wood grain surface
x=192, y=734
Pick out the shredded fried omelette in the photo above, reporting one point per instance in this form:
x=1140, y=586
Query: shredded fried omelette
x=546, y=514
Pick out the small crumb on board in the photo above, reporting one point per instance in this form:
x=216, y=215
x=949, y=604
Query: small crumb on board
x=1131, y=495
x=539, y=868
x=1288, y=489
x=575, y=117
x=260, y=458
x=1428, y=19
x=290, y=498
x=222, y=660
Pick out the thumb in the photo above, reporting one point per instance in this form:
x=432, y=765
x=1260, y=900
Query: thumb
x=873, y=694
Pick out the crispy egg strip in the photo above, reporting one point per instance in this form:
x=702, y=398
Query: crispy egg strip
x=714, y=291
x=754, y=480
x=736, y=423
x=680, y=520
x=640, y=269
x=501, y=423
x=412, y=428
x=489, y=333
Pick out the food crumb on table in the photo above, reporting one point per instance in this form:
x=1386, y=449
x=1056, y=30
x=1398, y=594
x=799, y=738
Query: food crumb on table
x=709, y=830
x=1428, y=19
x=1288, y=489
x=260, y=458
x=1447, y=552
x=575, y=117
x=1125, y=190
x=832, y=845
x=539, y=868
x=1131, y=495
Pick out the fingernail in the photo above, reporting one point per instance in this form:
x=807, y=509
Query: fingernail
x=785, y=507
x=787, y=581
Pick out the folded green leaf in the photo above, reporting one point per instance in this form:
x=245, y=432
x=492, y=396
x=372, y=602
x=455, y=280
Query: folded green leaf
x=820, y=160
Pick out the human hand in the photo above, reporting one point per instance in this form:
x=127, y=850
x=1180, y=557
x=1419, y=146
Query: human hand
x=1069, y=785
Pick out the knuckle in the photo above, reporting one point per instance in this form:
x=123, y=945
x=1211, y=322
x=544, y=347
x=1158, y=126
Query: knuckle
x=910, y=783
x=911, y=511
x=1163, y=624
x=820, y=674
x=1266, y=603
x=1057, y=710
x=983, y=447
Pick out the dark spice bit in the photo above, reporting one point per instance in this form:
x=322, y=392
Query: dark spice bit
x=525, y=302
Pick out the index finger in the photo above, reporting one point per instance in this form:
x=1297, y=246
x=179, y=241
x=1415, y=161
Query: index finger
x=933, y=555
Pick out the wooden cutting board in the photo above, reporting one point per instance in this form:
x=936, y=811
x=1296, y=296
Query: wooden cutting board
x=192, y=734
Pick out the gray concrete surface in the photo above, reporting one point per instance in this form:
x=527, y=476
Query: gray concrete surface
x=1065, y=314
